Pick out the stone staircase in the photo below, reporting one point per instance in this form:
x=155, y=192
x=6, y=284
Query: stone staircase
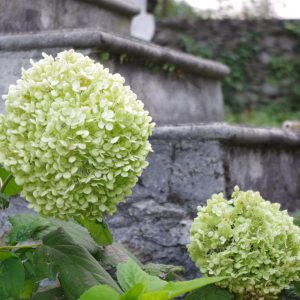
x=193, y=155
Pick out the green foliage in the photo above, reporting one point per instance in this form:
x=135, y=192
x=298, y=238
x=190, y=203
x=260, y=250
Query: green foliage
x=24, y=227
x=77, y=268
x=99, y=231
x=129, y=274
x=12, y=276
x=50, y=294
x=210, y=292
x=29, y=226
x=79, y=234
x=174, y=9
x=104, y=56
x=297, y=218
x=163, y=271
x=102, y=292
x=11, y=188
x=138, y=285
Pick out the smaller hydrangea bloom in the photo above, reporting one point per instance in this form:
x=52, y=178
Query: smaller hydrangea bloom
x=74, y=137
x=250, y=241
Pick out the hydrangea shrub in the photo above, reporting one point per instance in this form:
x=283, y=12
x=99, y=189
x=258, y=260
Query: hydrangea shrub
x=74, y=137
x=248, y=239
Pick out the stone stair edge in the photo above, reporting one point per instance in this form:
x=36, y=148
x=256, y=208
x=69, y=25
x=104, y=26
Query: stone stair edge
x=84, y=38
x=125, y=8
x=226, y=133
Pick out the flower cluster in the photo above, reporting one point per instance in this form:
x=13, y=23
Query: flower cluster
x=74, y=137
x=249, y=240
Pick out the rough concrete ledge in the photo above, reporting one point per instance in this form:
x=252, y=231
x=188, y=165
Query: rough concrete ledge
x=103, y=40
x=119, y=6
x=228, y=134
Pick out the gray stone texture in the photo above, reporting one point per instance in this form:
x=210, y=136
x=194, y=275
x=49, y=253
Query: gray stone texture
x=42, y=15
x=188, y=165
x=273, y=41
x=187, y=95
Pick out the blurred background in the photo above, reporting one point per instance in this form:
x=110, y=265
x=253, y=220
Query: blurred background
x=258, y=39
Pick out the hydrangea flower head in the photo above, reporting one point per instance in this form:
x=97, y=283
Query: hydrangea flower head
x=249, y=240
x=74, y=137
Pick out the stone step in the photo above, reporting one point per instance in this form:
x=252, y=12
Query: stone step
x=42, y=15
x=175, y=87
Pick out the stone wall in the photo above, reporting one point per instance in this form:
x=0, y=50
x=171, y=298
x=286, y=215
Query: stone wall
x=191, y=93
x=263, y=56
x=18, y=16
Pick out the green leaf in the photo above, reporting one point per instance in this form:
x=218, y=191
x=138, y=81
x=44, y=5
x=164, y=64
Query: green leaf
x=4, y=202
x=129, y=274
x=161, y=270
x=104, y=56
x=29, y=287
x=24, y=227
x=50, y=294
x=79, y=234
x=297, y=218
x=99, y=231
x=29, y=226
x=12, y=278
x=5, y=255
x=77, y=268
x=210, y=292
x=175, y=289
x=100, y=292
x=115, y=254
x=134, y=293
x=12, y=189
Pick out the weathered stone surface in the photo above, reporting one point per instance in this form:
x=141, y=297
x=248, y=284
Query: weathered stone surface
x=191, y=93
x=41, y=15
x=264, y=47
x=188, y=165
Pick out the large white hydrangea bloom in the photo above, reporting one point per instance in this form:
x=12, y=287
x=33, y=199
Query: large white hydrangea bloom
x=74, y=137
x=249, y=240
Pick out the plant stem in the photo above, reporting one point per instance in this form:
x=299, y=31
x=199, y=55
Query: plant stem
x=6, y=182
x=19, y=247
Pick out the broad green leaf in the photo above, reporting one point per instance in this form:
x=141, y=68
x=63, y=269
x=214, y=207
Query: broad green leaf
x=99, y=231
x=161, y=270
x=12, y=278
x=297, y=218
x=24, y=227
x=130, y=273
x=5, y=255
x=175, y=289
x=77, y=268
x=158, y=295
x=210, y=292
x=29, y=226
x=114, y=254
x=29, y=287
x=12, y=189
x=100, y=292
x=134, y=293
x=79, y=234
x=50, y=294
